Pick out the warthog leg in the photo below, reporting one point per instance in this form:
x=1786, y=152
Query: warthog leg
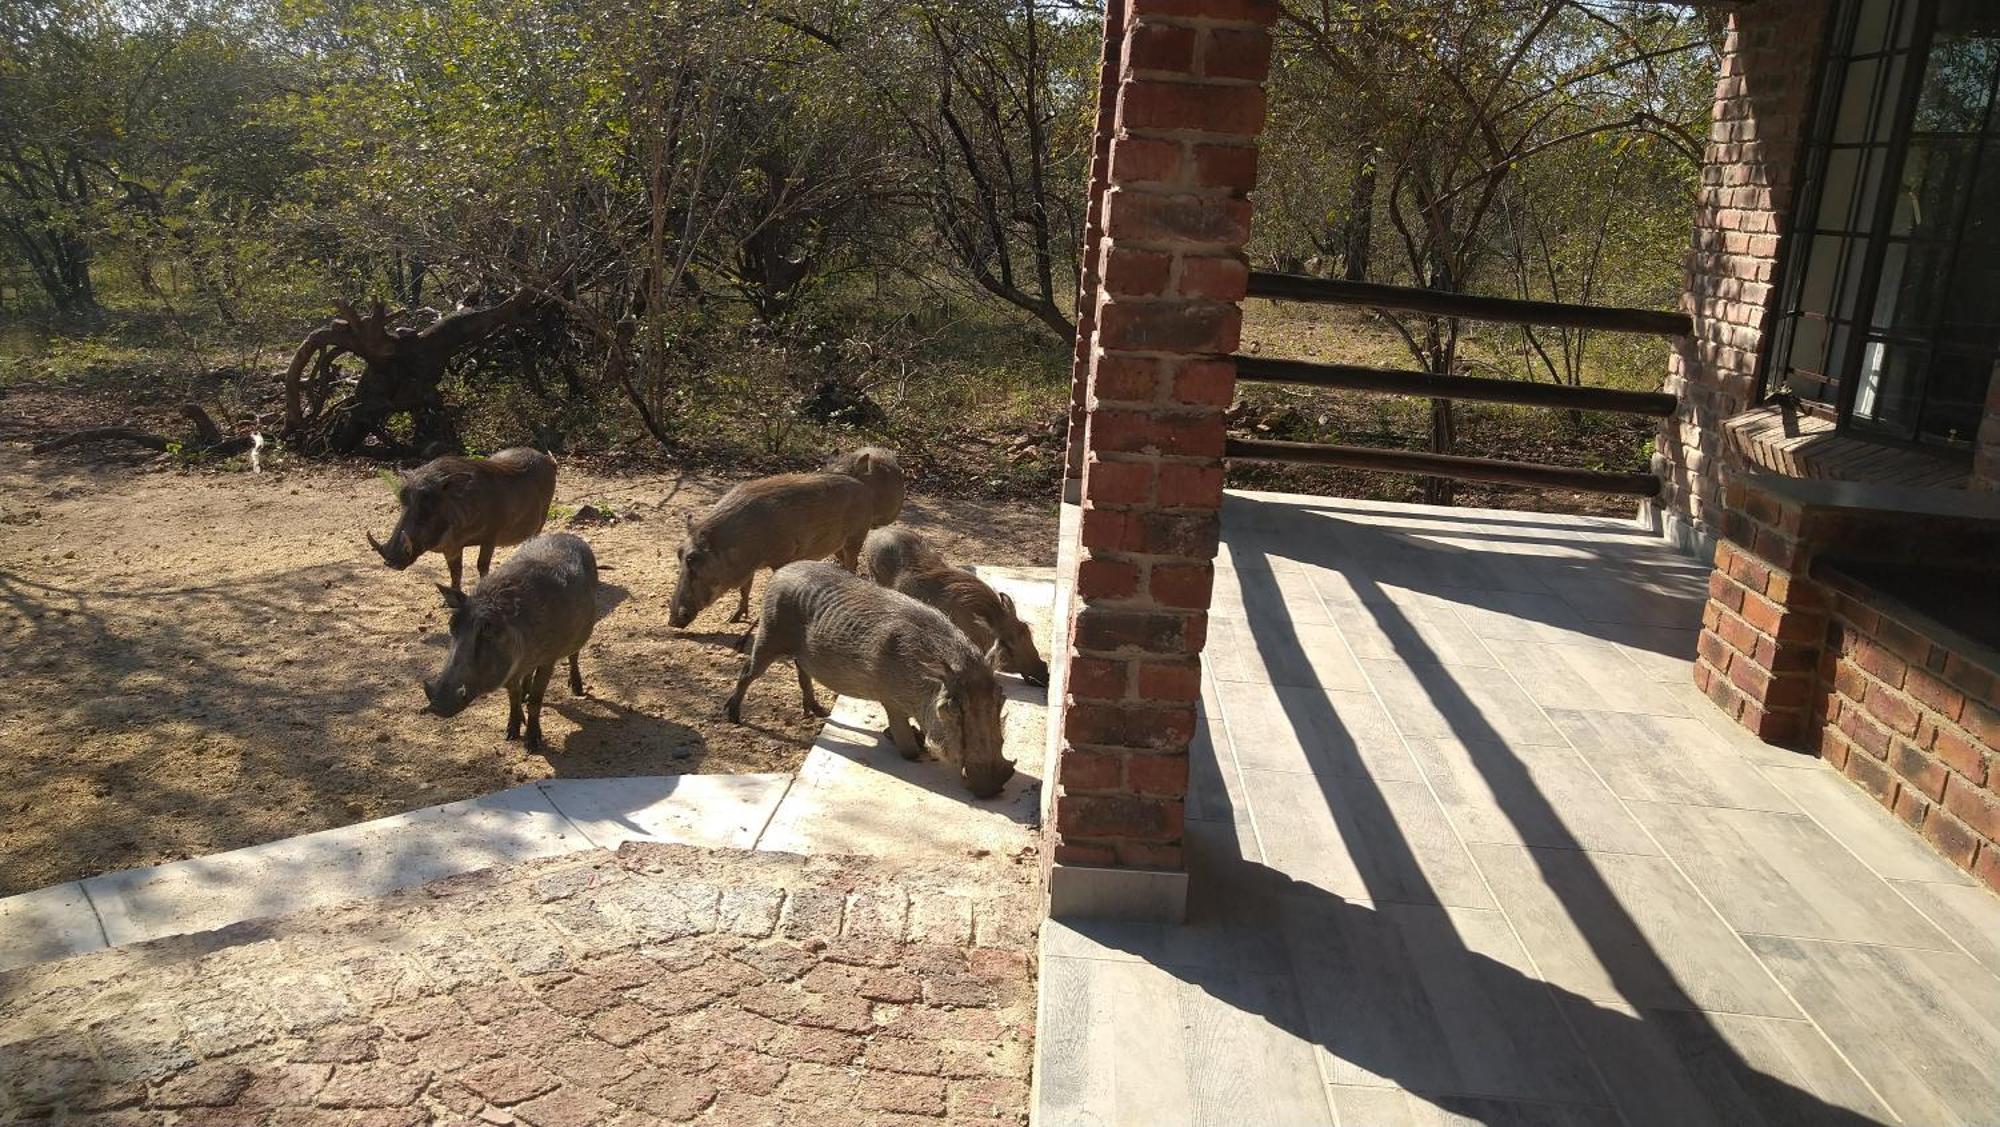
x=762, y=654
x=485, y=559
x=807, y=701
x=456, y=562
x=906, y=738
x=575, y=678
x=538, y=683
x=743, y=602
x=514, y=694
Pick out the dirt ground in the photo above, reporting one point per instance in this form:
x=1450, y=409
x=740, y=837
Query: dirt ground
x=205, y=659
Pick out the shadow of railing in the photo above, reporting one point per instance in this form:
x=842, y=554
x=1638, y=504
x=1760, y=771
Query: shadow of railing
x=1375, y=1028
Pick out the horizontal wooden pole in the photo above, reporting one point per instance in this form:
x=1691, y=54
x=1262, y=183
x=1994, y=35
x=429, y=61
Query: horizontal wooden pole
x=1513, y=311
x=1392, y=382
x=1441, y=465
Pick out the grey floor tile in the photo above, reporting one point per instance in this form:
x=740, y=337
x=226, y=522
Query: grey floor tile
x=1526, y=794
x=1420, y=629
x=1130, y=1043
x=1436, y=1000
x=1680, y=1068
x=1665, y=654
x=1666, y=759
x=1256, y=592
x=1612, y=927
x=1362, y=839
x=1728, y=733
x=1660, y=598
x=1393, y=1107
x=1780, y=874
x=1922, y=1026
x=1882, y=841
x=1308, y=729
x=1214, y=788
x=1515, y=616
x=1593, y=675
x=1278, y=652
x=1967, y=913
x=1460, y=702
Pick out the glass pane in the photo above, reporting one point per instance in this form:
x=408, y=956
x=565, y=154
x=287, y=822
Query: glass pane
x=1808, y=346
x=1837, y=190
x=1871, y=25
x=1982, y=221
x=1957, y=395
x=1887, y=395
x=1912, y=285
x=1937, y=178
x=1972, y=303
x=1822, y=265
x=1958, y=81
x=1856, y=96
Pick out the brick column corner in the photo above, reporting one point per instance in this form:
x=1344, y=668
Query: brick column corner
x=1761, y=632
x=1166, y=317
x=1090, y=274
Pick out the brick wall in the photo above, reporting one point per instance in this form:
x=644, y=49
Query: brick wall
x=1762, y=98
x=1761, y=629
x=1091, y=275
x=1165, y=317
x=1917, y=726
x=1986, y=458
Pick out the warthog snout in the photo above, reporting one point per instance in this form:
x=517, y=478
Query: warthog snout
x=398, y=553
x=446, y=702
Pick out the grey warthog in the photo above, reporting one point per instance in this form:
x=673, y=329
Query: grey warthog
x=897, y=557
x=772, y=521
x=453, y=503
x=535, y=610
x=877, y=468
x=876, y=644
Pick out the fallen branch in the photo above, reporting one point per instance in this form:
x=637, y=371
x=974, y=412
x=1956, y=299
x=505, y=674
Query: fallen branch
x=208, y=438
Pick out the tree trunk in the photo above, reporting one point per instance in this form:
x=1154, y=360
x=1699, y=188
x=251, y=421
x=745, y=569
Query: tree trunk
x=1357, y=244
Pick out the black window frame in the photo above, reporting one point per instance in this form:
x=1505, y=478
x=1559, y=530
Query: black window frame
x=1853, y=302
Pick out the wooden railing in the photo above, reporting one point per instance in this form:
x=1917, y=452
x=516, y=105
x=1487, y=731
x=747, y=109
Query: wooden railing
x=1386, y=381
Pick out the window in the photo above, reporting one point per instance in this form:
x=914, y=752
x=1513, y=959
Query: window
x=1891, y=289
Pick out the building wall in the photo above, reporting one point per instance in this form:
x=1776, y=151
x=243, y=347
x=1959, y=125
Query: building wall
x=1762, y=99
x=1916, y=726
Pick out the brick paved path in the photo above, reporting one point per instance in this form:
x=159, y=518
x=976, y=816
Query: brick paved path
x=658, y=984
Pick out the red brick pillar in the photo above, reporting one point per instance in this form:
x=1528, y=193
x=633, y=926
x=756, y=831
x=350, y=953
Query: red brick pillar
x=1758, y=655
x=1091, y=273
x=1190, y=104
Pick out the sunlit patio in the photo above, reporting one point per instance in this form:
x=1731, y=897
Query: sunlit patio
x=1465, y=841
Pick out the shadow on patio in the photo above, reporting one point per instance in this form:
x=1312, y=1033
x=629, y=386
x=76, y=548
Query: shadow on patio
x=1465, y=842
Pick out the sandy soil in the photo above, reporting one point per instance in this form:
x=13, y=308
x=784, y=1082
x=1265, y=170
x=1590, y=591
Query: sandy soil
x=202, y=660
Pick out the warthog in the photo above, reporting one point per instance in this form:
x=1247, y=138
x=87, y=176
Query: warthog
x=897, y=557
x=772, y=521
x=452, y=503
x=870, y=642
x=877, y=468
x=535, y=610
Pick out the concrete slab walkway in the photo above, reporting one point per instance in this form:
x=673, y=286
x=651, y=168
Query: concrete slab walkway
x=1466, y=846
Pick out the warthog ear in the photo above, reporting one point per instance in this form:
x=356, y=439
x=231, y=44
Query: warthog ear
x=687, y=519
x=460, y=478
x=1007, y=603
x=454, y=599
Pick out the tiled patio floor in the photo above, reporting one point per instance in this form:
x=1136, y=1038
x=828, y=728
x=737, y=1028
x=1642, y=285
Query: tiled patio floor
x=1466, y=845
